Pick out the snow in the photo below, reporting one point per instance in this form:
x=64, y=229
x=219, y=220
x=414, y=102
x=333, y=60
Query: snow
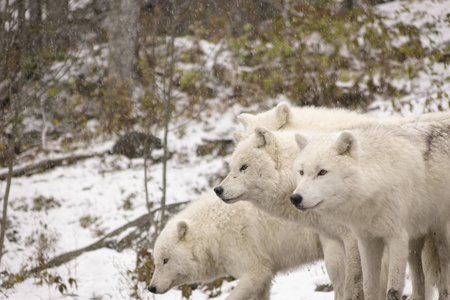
x=78, y=4
x=97, y=187
x=296, y=285
x=97, y=274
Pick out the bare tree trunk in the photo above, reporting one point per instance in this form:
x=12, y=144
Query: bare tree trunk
x=123, y=39
x=285, y=13
x=16, y=106
x=35, y=9
x=47, y=164
x=147, y=199
x=46, y=124
x=4, y=40
x=21, y=14
x=4, y=221
x=152, y=64
x=57, y=24
x=3, y=34
x=167, y=90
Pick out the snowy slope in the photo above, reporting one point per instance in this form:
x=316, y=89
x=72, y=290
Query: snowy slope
x=98, y=188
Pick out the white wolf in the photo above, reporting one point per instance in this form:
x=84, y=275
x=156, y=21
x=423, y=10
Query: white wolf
x=210, y=239
x=285, y=117
x=390, y=185
x=261, y=172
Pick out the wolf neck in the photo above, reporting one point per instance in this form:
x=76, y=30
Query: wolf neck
x=208, y=256
x=358, y=199
x=280, y=200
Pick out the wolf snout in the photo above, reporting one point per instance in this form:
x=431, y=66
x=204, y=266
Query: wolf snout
x=296, y=199
x=218, y=190
x=152, y=289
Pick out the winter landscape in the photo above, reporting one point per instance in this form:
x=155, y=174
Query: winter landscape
x=66, y=110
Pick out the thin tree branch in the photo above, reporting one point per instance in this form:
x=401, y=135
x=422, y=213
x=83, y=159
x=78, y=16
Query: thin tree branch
x=4, y=221
x=142, y=223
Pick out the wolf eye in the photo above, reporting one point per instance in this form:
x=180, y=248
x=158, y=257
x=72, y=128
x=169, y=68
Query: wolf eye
x=322, y=172
x=301, y=172
x=243, y=167
x=165, y=261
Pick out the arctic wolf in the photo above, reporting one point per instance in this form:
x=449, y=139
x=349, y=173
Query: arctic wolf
x=390, y=185
x=210, y=239
x=261, y=173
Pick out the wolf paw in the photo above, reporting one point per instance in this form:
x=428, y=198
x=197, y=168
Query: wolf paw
x=443, y=295
x=393, y=295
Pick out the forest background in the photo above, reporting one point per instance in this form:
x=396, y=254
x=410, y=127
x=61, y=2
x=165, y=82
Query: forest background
x=76, y=75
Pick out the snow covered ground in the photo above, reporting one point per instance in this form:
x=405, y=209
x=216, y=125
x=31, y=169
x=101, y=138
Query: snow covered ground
x=96, y=191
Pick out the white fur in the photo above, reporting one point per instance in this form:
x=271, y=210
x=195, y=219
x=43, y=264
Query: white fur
x=391, y=186
x=319, y=119
x=285, y=117
x=210, y=239
x=268, y=181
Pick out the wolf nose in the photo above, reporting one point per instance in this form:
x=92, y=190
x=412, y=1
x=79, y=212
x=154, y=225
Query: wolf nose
x=152, y=289
x=218, y=190
x=296, y=199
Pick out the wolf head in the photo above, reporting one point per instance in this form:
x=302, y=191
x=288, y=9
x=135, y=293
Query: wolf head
x=174, y=260
x=273, y=119
x=261, y=171
x=326, y=171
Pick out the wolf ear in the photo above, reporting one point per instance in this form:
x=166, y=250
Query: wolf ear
x=265, y=138
x=239, y=136
x=283, y=111
x=347, y=144
x=182, y=229
x=301, y=141
x=245, y=119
